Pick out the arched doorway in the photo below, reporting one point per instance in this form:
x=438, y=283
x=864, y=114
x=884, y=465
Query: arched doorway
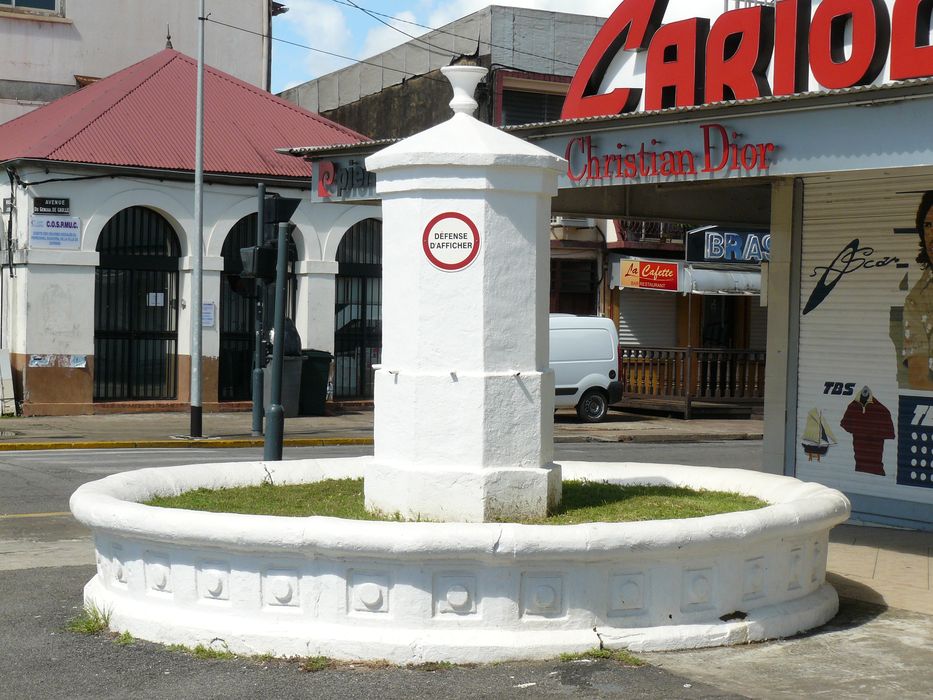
x=358, y=313
x=238, y=311
x=136, y=308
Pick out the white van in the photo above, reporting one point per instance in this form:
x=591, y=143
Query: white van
x=585, y=359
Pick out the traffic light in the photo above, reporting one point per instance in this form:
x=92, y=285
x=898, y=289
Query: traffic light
x=259, y=261
x=277, y=210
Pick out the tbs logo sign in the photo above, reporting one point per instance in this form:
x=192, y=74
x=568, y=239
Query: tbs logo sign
x=839, y=389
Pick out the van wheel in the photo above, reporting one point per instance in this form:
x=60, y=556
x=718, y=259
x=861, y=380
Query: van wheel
x=593, y=407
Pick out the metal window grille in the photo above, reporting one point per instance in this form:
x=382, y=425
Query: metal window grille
x=358, y=313
x=136, y=308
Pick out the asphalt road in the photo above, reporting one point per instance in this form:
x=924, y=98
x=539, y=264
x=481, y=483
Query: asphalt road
x=46, y=557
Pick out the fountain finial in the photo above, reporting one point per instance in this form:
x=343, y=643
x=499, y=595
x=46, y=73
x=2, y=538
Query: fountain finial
x=464, y=80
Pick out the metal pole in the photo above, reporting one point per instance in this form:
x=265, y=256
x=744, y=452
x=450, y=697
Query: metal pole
x=257, y=350
x=275, y=423
x=197, y=257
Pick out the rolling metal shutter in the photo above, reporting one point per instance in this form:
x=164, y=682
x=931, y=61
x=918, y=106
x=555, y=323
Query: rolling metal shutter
x=648, y=318
x=853, y=338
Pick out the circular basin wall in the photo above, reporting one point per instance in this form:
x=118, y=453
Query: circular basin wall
x=414, y=592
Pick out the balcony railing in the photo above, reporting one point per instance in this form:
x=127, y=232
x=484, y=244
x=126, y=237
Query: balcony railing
x=683, y=377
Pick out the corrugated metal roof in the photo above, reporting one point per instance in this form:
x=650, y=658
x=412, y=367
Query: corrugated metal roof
x=339, y=149
x=144, y=116
x=777, y=101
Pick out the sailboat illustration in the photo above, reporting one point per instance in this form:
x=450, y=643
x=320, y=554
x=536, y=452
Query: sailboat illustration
x=817, y=437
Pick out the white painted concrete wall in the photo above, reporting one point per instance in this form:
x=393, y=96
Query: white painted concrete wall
x=49, y=304
x=98, y=37
x=461, y=592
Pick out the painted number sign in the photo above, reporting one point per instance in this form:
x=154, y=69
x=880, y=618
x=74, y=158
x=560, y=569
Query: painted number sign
x=451, y=242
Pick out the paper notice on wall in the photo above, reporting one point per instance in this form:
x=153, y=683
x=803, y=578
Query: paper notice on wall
x=60, y=361
x=55, y=232
x=7, y=399
x=208, y=315
x=40, y=360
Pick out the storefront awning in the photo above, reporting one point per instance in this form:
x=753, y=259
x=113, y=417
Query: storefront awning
x=724, y=282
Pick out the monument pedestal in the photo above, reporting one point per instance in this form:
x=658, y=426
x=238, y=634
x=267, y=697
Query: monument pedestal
x=462, y=494
x=464, y=398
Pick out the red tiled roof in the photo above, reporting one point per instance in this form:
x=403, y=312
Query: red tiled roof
x=144, y=116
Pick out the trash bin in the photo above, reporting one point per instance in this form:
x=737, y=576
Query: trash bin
x=314, y=374
x=291, y=384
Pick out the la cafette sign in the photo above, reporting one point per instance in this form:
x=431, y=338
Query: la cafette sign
x=636, y=62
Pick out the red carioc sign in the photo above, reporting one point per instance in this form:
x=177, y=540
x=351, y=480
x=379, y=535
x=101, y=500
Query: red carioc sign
x=645, y=274
x=843, y=43
x=451, y=241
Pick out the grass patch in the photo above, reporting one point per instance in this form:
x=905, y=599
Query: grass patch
x=124, y=639
x=583, y=502
x=432, y=666
x=618, y=655
x=203, y=652
x=314, y=664
x=594, y=501
x=91, y=620
x=338, y=498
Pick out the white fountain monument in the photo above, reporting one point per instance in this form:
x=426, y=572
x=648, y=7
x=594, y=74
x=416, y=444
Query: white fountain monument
x=464, y=420
x=464, y=396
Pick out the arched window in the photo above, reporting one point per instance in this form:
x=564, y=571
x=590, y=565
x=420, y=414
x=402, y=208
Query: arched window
x=358, y=313
x=136, y=308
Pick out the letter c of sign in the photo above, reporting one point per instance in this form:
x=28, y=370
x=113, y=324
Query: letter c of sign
x=325, y=178
x=629, y=28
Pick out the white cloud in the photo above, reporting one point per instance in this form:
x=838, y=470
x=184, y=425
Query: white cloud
x=383, y=38
x=444, y=12
x=321, y=24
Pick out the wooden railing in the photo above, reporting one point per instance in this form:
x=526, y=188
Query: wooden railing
x=685, y=376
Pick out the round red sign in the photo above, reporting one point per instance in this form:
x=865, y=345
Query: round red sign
x=451, y=241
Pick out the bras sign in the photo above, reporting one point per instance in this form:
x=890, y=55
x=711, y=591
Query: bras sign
x=795, y=46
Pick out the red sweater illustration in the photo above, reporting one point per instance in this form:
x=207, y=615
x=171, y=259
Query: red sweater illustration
x=870, y=423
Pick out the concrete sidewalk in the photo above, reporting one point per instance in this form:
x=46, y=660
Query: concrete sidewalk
x=343, y=427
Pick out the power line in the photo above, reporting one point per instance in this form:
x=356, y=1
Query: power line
x=370, y=13
x=322, y=51
x=374, y=13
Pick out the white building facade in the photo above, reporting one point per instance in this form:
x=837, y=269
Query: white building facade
x=49, y=303
x=49, y=48
x=97, y=255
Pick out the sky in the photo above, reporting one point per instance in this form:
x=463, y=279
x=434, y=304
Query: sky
x=338, y=27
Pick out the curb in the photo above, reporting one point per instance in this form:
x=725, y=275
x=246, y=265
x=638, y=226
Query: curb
x=660, y=438
x=193, y=443
x=338, y=442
